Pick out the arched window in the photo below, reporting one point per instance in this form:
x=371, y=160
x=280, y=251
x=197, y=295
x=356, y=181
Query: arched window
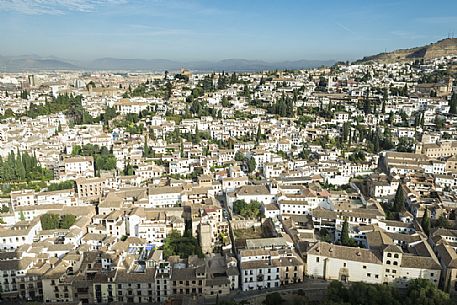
x=396, y=255
x=395, y=263
x=389, y=254
x=388, y=262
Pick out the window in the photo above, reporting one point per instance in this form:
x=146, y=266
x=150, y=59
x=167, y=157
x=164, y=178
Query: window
x=364, y=267
x=369, y=274
x=317, y=259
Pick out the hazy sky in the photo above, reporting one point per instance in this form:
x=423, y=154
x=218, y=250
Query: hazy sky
x=212, y=30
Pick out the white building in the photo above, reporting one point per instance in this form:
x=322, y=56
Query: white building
x=346, y=264
x=166, y=196
x=258, y=269
x=75, y=167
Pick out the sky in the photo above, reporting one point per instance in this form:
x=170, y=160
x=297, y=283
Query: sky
x=186, y=30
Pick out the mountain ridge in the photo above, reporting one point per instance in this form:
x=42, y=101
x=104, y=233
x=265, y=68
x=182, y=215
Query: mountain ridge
x=443, y=47
x=35, y=62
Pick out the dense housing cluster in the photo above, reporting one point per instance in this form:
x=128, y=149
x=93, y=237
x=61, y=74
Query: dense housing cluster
x=143, y=187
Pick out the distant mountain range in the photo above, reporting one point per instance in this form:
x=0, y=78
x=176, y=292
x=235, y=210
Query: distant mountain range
x=440, y=48
x=35, y=63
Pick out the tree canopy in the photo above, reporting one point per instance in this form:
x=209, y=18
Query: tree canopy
x=346, y=240
x=54, y=221
x=419, y=292
x=104, y=159
x=248, y=210
x=64, y=185
x=22, y=166
x=184, y=246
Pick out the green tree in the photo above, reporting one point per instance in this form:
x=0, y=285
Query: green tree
x=453, y=104
x=184, y=246
x=168, y=90
x=104, y=159
x=346, y=131
x=225, y=102
x=385, y=97
x=246, y=92
x=146, y=148
x=345, y=239
x=251, y=164
x=440, y=122
x=442, y=222
x=64, y=185
x=399, y=200
x=197, y=138
x=4, y=209
x=361, y=293
x=422, y=291
x=110, y=113
x=419, y=292
x=9, y=113
x=249, y=210
x=422, y=121
x=239, y=156
x=22, y=166
x=128, y=170
x=425, y=222
x=273, y=299
x=50, y=221
x=367, y=107
x=66, y=221
x=258, y=136
x=405, y=144
x=376, y=144
x=324, y=235
x=53, y=221
x=19, y=166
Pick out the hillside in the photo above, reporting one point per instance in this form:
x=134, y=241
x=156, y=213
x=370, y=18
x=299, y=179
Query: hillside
x=33, y=63
x=434, y=50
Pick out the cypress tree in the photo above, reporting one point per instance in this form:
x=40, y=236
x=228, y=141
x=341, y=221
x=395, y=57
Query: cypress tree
x=345, y=239
x=259, y=135
x=385, y=96
x=453, y=104
x=425, y=222
x=399, y=200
